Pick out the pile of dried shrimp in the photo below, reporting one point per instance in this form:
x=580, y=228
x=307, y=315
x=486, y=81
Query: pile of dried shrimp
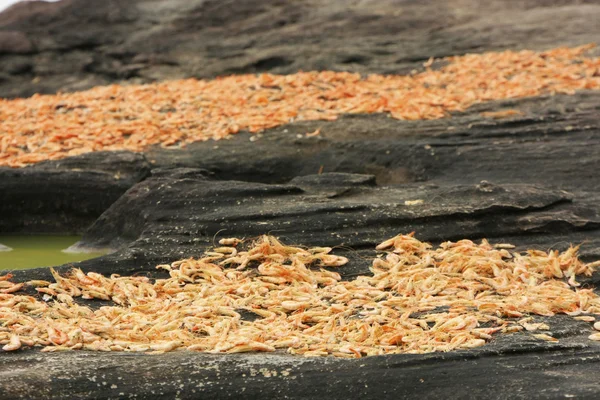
x=417, y=300
x=179, y=112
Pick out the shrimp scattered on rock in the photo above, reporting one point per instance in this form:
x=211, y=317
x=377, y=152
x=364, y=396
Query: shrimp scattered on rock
x=417, y=299
x=179, y=112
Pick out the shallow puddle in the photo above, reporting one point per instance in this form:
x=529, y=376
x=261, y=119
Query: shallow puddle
x=39, y=251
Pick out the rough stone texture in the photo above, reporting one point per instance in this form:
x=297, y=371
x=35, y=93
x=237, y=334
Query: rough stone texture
x=552, y=371
x=65, y=196
x=552, y=143
x=540, y=191
x=172, y=216
x=14, y=43
x=76, y=44
x=531, y=180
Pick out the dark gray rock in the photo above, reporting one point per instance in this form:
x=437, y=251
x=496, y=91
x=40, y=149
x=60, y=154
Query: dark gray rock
x=531, y=180
x=18, y=66
x=510, y=368
x=65, y=196
x=14, y=42
x=330, y=180
x=76, y=44
x=554, y=137
x=193, y=210
x=179, y=212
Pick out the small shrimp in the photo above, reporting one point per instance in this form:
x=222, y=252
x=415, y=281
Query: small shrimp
x=164, y=347
x=64, y=298
x=386, y=244
x=56, y=336
x=250, y=346
x=15, y=287
x=83, y=278
x=586, y=318
x=333, y=261
x=225, y=250
x=549, y=338
x=230, y=241
x=594, y=336
x=138, y=347
x=294, y=305
x=473, y=343
x=48, y=291
x=13, y=344
x=504, y=246
x=38, y=283
x=54, y=349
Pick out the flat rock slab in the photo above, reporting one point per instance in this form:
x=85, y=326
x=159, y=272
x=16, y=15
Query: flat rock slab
x=65, y=196
x=531, y=179
x=553, y=142
x=528, y=180
x=172, y=216
x=46, y=47
x=499, y=373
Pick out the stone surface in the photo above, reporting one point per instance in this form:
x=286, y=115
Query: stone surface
x=65, y=196
x=76, y=44
x=552, y=143
x=508, y=369
x=14, y=43
x=171, y=216
x=530, y=179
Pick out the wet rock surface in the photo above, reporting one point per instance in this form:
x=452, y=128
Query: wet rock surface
x=530, y=179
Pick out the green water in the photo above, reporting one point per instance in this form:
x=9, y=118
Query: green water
x=39, y=251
